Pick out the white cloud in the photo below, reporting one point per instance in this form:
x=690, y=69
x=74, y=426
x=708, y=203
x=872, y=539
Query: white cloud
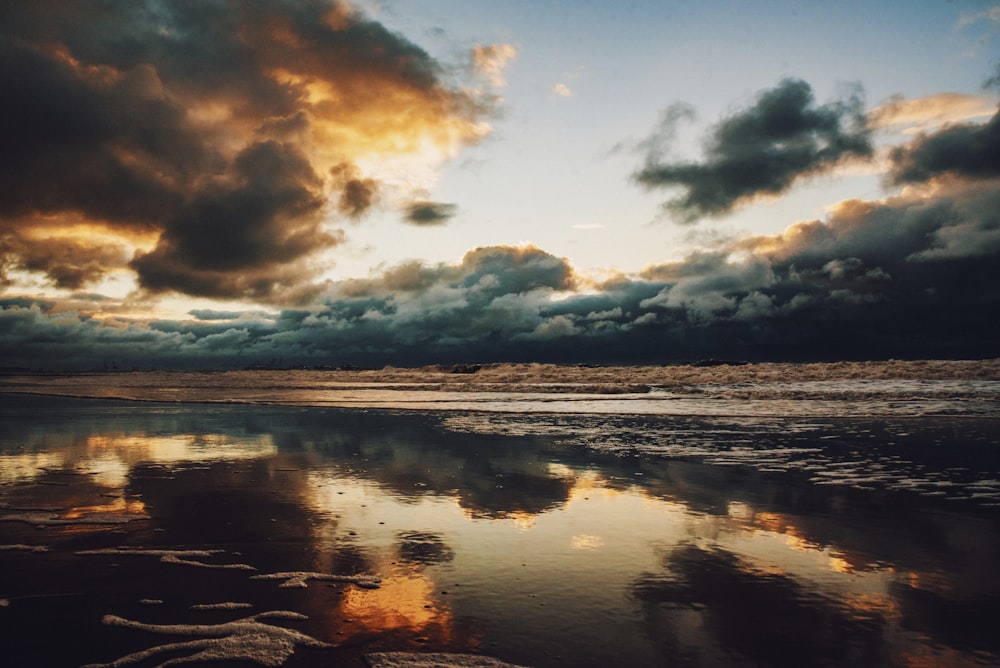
x=490, y=60
x=562, y=90
x=968, y=18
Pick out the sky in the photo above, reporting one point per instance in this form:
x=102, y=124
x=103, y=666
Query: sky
x=405, y=182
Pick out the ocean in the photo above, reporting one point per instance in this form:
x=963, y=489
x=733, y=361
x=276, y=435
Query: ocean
x=538, y=515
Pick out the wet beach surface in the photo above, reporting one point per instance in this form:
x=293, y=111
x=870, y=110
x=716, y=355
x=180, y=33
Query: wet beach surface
x=314, y=536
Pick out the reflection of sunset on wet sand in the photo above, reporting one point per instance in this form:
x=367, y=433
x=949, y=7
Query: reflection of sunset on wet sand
x=406, y=604
x=385, y=532
x=177, y=448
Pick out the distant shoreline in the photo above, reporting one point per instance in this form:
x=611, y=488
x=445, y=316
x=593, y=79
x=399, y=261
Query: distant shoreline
x=821, y=390
x=983, y=369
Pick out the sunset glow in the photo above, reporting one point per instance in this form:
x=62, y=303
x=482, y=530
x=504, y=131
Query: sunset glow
x=169, y=172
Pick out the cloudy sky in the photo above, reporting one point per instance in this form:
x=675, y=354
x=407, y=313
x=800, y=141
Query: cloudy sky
x=218, y=184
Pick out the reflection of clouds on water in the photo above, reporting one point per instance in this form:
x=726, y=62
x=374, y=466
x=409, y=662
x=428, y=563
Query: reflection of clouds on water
x=27, y=466
x=55, y=497
x=50, y=437
x=833, y=589
x=107, y=469
x=423, y=547
x=953, y=458
x=408, y=605
x=227, y=502
x=791, y=625
x=478, y=536
x=586, y=542
x=959, y=620
x=491, y=476
x=134, y=449
x=800, y=617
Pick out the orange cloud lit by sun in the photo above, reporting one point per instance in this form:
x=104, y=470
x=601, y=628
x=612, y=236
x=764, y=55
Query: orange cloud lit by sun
x=184, y=145
x=490, y=60
x=910, y=116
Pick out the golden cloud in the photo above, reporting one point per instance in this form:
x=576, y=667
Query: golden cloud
x=927, y=113
x=491, y=60
x=220, y=139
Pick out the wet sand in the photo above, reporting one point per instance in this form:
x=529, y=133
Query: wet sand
x=293, y=536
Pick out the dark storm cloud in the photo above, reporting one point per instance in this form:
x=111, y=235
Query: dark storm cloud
x=762, y=150
x=994, y=80
x=357, y=194
x=114, y=149
x=963, y=150
x=69, y=263
x=206, y=132
x=429, y=213
x=910, y=276
x=490, y=271
x=494, y=299
x=213, y=315
x=913, y=275
x=242, y=234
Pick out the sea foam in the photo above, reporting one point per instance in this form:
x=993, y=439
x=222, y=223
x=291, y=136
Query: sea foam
x=299, y=579
x=182, y=557
x=247, y=639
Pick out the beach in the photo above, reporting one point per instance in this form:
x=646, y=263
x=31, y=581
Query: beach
x=301, y=518
x=447, y=334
